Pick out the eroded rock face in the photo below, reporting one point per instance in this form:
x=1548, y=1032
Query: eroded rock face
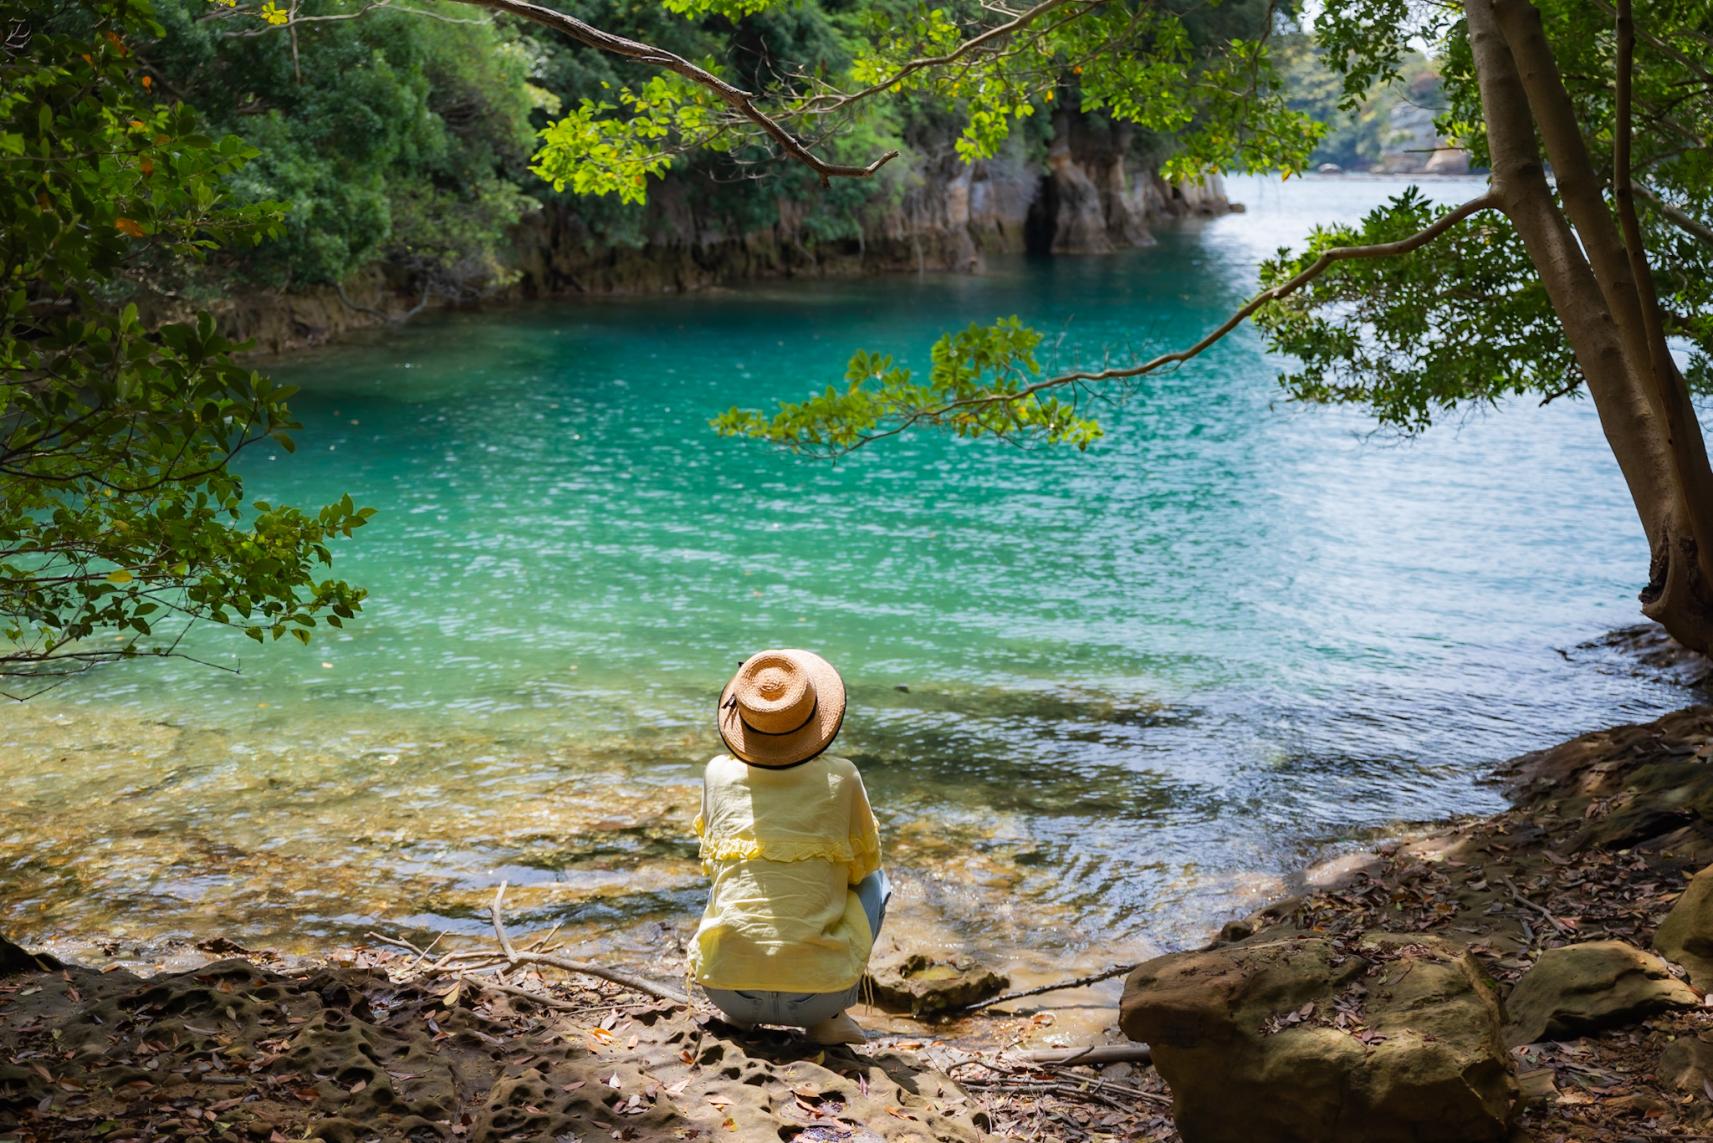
x=1304, y=1040
x=1093, y=195
x=1577, y=989
x=1686, y=934
x=1073, y=204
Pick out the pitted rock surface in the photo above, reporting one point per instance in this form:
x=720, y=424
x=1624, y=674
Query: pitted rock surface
x=1686, y=934
x=1307, y=1040
x=346, y=1054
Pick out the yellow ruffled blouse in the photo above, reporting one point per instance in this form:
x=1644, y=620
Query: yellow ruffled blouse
x=783, y=847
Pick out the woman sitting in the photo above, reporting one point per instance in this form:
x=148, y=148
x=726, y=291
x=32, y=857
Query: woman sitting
x=791, y=845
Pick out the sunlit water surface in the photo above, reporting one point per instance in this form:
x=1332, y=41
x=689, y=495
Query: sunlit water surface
x=1102, y=701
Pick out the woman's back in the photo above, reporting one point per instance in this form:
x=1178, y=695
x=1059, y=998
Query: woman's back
x=783, y=846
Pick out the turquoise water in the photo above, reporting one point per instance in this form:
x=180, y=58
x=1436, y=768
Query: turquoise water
x=1102, y=698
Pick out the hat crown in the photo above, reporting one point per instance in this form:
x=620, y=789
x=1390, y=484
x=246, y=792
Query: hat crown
x=783, y=707
x=775, y=695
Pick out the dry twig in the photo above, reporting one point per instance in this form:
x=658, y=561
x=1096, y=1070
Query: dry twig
x=463, y=965
x=1096, y=978
x=1541, y=909
x=515, y=958
x=1093, y=1054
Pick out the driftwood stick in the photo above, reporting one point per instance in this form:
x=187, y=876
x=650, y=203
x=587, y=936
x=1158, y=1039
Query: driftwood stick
x=396, y=943
x=1541, y=909
x=464, y=961
x=423, y=955
x=1093, y=1054
x=1099, y=1091
x=540, y=998
x=634, y=983
x=1096, y=978
x=499, y=926
x=464, y=964
x=542, y=944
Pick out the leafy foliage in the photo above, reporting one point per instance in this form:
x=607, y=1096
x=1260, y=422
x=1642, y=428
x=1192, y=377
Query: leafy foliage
x=1515, y=346
x=394, y=136
x=607, y=147
x=1462, y=319
x=979, y=384
x=1357, y=137
x=1171, y=70
x=120, y=520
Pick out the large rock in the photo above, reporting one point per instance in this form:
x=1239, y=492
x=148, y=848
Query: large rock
x=1577, y=989
x=14, y=959
x=1299, y=1040
x=1687, y=1064
x=926, y=986
x=1686, y=934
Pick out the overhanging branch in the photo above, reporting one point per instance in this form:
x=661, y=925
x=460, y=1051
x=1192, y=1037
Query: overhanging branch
x=1315, y=269
x=833, y=101
x=736, y=98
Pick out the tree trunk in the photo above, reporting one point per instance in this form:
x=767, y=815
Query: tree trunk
x=1644, y=409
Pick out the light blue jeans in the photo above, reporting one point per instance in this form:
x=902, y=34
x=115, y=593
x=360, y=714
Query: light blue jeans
x=801, y=1009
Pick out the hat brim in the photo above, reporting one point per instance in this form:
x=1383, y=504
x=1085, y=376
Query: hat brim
x=802, y=744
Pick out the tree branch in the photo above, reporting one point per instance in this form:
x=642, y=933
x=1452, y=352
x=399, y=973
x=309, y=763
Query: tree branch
x=1573, y=168
x=1283, y=290
x=514, y=957
x=1519, y=176
x=1643, y=369
x=736, y=98
x=1684, y=221
x=1623, y=192
x=1662, y=46
x=1079, y=982
x=833, y=102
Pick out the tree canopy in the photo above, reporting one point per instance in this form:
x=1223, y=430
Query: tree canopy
x=393, y=131
x=121, y=521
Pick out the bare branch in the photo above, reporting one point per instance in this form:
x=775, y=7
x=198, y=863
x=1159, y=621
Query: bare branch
x=1661, y=45
x=1623, y=191
x=296, y=19
x=1094, y=1055
x=514, y=957
x=499, y=923
x=1079, y=982
x=1688, y=449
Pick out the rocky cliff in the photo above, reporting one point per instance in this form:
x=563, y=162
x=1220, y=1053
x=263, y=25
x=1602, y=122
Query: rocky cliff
x=1088, y=197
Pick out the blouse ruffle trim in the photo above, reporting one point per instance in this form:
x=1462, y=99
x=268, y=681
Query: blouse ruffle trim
x=753, y=849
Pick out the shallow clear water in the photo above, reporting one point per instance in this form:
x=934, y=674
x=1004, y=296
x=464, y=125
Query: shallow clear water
x=1100, y=700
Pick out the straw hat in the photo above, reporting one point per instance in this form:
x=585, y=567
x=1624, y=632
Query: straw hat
x=782, y=708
